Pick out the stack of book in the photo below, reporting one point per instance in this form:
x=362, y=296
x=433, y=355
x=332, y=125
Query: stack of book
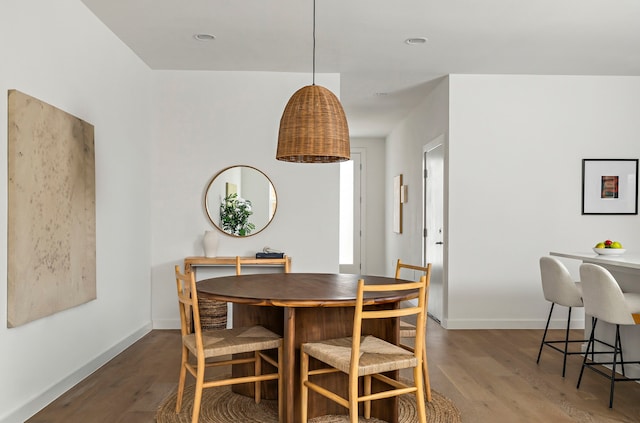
x=269, y=255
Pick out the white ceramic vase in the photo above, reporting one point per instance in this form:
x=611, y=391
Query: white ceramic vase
x=210, y=243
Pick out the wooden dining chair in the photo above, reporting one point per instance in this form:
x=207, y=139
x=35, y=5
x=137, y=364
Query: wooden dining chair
x=408, y=330
x=198, y=348
x=367, y=357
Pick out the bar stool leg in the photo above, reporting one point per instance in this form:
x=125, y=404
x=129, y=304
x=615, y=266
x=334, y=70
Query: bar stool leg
x=566, y=343
x=544, y=336
x=593, y=324
x=586, y=353
x=617, y=347
x=620, y=344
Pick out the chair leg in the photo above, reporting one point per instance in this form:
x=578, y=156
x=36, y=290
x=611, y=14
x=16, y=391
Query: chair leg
x=197, y=396
x=257, y=370
x=566, y=344
x=304, y=391
x=182, y=378
x=367, y=391
x=419, y=378
x=280, y=384
x=425, y=372
x=590, y=345
x=544, y=336
x=353, y=398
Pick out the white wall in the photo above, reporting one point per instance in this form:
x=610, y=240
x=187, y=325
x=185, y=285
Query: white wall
x=60, y=53
x=516, y=147
x=429, y=120
x=206, y=121
x=374, y=213
x=514, y=157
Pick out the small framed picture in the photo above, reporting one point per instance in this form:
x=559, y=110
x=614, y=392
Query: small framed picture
x=397, y=204
x=610, y=186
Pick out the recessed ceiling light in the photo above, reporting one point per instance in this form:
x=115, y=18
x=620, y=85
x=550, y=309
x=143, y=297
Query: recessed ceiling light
x=415, y=40
x=204, y=37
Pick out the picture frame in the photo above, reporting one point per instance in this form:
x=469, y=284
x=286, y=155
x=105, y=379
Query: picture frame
x=397, y=204
x=51, y=238
x=609, y=186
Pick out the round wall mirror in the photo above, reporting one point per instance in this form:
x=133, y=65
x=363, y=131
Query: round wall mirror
x=240, y=201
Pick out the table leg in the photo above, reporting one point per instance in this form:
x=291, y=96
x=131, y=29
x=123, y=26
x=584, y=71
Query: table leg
x=290, y=361
x=308, y=324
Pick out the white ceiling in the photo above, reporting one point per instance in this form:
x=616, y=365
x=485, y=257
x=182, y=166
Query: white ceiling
x=363, y=40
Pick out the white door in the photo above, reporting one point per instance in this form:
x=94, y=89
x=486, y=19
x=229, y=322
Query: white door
x=351, y=214
x=433, y=212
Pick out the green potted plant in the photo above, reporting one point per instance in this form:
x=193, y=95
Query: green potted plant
x=234, y=215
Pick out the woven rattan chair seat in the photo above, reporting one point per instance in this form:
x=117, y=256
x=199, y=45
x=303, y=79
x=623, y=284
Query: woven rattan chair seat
x=407, y=330
x=234, y=341
x=376, y=355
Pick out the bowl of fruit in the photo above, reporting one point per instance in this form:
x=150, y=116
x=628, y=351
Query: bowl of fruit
x=609, y=248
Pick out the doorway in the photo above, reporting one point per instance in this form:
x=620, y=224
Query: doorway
x=434, y=237
x=351, y=213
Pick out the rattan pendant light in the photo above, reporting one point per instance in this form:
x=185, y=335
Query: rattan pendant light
x=313, y=127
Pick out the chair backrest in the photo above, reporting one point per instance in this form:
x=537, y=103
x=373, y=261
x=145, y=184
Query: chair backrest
x=188, y=305
x=603, y=298
x=400, y=265
x=419, y=310
x=557, y=284
x=285, y=262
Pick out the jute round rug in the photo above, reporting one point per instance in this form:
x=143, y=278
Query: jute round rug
x=220, y=405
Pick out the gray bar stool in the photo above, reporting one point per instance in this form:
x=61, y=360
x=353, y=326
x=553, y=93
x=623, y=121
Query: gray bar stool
x=559, y=288
x=604, y=300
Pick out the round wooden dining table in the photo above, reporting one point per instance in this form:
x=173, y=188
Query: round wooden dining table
x=305, y=307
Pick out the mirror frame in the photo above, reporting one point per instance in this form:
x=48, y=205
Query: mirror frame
x=207, y=205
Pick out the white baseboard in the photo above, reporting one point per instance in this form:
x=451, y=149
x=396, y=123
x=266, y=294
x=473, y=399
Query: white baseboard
x=164, y=324
x=44, y=398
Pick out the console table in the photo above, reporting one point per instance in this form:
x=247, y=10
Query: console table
x=213, y=313
x=191, y=263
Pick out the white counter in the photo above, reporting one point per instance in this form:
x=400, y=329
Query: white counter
x=625, y=268
x=629, y=260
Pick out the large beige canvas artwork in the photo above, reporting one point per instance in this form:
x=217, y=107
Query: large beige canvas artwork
x=51, y=235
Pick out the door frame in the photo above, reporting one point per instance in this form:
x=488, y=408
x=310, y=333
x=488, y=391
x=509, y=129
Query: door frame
x=433, y=143
x=359, y=218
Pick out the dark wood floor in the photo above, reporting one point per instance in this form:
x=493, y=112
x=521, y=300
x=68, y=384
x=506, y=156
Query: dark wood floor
x=491, y=375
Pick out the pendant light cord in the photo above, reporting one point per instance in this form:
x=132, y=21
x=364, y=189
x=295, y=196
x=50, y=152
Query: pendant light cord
x=314, y=43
